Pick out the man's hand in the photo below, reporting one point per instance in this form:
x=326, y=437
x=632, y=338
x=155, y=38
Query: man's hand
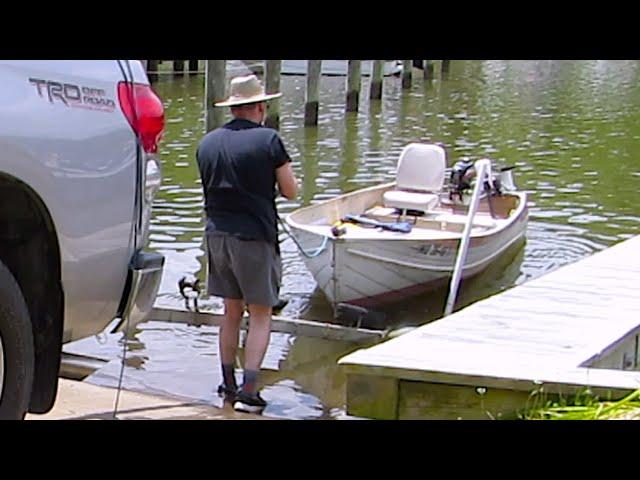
x=287, y=183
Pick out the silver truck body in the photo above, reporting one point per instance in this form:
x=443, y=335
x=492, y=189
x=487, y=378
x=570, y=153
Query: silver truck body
x=76, y=187
x=81, y=161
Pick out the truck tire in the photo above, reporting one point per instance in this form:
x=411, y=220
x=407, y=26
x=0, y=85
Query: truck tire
x=16, y=348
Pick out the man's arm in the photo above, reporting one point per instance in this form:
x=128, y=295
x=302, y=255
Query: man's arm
x=286, y=179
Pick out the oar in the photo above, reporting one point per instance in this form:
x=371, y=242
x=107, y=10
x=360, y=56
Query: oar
x=403, y=227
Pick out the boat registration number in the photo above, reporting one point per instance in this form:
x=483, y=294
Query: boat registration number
x=434, y=250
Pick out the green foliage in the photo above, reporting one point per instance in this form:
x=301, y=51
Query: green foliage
x=582, y=406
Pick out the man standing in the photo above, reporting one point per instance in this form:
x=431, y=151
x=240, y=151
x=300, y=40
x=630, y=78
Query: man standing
x=240, y=165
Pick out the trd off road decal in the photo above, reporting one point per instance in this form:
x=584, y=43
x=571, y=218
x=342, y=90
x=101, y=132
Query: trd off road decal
x=75, y=96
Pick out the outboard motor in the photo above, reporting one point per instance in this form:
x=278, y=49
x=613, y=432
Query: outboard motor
x=505, y=180
x=502, y=182
x=460, y=180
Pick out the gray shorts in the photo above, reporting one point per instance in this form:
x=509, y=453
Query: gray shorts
x=243, y=269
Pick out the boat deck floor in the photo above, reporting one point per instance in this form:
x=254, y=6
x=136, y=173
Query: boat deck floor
x=438, y=224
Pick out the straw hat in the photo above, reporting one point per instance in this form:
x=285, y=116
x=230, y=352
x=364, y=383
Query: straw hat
x=245, y=90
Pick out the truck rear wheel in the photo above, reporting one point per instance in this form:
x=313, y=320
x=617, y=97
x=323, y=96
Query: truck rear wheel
x=16, y=349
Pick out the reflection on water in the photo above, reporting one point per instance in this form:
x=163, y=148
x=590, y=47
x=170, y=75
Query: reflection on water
x=572, y=128
x=300, y=377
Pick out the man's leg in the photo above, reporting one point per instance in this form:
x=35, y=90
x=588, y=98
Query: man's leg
x=256, y=345
x=257, y=268
x=229, y=336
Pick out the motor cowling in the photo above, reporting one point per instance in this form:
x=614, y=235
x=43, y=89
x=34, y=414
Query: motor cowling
x=460, y=180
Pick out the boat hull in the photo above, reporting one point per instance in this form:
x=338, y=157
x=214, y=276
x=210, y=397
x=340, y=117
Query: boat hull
x=375, y=273
x=371, y=272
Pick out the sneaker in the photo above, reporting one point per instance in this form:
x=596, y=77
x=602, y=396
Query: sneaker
x=249, y=403
x=226, y=392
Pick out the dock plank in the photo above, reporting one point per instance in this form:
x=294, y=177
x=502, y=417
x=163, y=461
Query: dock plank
x=548, y=331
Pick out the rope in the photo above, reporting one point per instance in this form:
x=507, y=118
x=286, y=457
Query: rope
x=124, y=353
x=129, y=79
x=312, y=254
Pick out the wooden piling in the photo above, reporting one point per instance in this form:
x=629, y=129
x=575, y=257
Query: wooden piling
x=312, y=100
x=407, y=70
x=272, y=85
x=152, y=66
x=428, y=69
x=444, y=69
x=353, y=85
x=152, y=70
x=377, y=75
x=193, y=66
x=215, y=88
x=178, y=67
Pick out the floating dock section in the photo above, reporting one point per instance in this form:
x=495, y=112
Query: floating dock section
x=570, y=330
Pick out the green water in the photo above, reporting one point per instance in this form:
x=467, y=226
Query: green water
x=572, y=128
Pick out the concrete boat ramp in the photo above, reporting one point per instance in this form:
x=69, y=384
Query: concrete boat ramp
x=575, y=328
x=81, y=399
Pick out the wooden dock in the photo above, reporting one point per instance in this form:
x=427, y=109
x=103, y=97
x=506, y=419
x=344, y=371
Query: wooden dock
x=294, y=326
x=575, y=328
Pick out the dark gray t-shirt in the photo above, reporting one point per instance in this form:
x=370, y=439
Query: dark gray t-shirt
x=238, y=165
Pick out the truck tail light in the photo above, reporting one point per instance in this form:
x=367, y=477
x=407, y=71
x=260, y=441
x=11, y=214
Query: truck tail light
x=144, y=111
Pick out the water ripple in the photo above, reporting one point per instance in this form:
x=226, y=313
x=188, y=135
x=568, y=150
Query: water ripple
x=563, y=124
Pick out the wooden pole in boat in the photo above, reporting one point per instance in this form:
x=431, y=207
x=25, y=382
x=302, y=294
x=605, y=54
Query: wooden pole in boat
x=353, y=85
x=377, y=76
x=407, y=71
x=215, y=79
x=312, y=100
x=178, y=67
x=272, y=85
x=482, y=168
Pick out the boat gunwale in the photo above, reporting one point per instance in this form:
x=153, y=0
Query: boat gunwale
x=501, y=225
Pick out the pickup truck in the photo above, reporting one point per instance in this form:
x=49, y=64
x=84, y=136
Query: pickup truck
x=78, y=174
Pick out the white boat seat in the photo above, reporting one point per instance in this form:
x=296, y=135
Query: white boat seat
x=419, y=177
x=404, y=200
